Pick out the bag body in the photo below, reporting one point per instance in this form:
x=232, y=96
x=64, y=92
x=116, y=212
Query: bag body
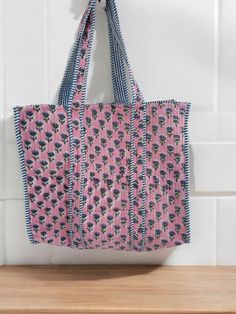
x=110, y=175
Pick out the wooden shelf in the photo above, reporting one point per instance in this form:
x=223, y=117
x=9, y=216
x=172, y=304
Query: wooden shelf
x=117, y=289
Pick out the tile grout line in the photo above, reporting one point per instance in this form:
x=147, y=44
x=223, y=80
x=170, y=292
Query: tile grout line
x=216, y=54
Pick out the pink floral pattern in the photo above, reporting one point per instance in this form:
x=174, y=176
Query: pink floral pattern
x=45, y=140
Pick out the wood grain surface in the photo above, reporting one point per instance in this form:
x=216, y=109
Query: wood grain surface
x=117, y=289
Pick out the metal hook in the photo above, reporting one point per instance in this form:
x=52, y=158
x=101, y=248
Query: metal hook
x=103, y=3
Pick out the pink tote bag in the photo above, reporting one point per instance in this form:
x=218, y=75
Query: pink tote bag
x=107, y=175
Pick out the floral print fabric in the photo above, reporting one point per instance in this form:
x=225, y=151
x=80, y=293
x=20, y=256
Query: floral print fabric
x=45, y=142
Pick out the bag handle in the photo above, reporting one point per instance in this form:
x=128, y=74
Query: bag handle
x=73, y=81
x=69, y=75
x=118, y=66
x=116, y=32
x=119, y=79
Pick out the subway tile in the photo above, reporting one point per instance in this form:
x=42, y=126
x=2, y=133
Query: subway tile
x=9, y=127
x=2, y=66
x=199, y=252
x=203, y=126
x=18, y=249
x=2, y=172
x=213, y=167
x=64, y=24
x=226, y=126
x=13, y=180
x=25, y=64
x=174, y=56
x=2, y=229
x=227, y=55
x=210, y=126
x=226, y=220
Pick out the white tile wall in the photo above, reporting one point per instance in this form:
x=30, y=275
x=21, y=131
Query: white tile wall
x=214, y=167
x=13, y=182
x=2, y=231
x=227, y=64
x=1, y=166
x=18, y=250
x=226, y=219
x=25, y=54
x=1, y=68
x=177, y=51
x=183, y=49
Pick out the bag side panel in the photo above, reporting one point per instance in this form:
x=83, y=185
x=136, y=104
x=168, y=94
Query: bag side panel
x=167, y=220
x=45, y=150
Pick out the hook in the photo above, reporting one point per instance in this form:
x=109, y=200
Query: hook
x=103, y=3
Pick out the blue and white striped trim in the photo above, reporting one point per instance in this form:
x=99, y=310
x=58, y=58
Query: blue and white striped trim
x=118, y=38
x=81, y=123
x=131, y=212
x=68, y=86
x=118, y=71
x=117, y=64
x=23, y=174
x=64, y=91
x=71, y=172
x=187, y=174
x=144, y=156
x=119, y=80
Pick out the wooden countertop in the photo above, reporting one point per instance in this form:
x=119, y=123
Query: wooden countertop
x=117, y=289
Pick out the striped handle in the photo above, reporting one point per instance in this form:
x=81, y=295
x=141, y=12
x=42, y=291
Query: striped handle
x=68, y=90
x=65, y=92
x=113, y=23
x=118, y=66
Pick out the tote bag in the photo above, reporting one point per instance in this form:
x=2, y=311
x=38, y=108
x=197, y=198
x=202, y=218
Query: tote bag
x=107, y=175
